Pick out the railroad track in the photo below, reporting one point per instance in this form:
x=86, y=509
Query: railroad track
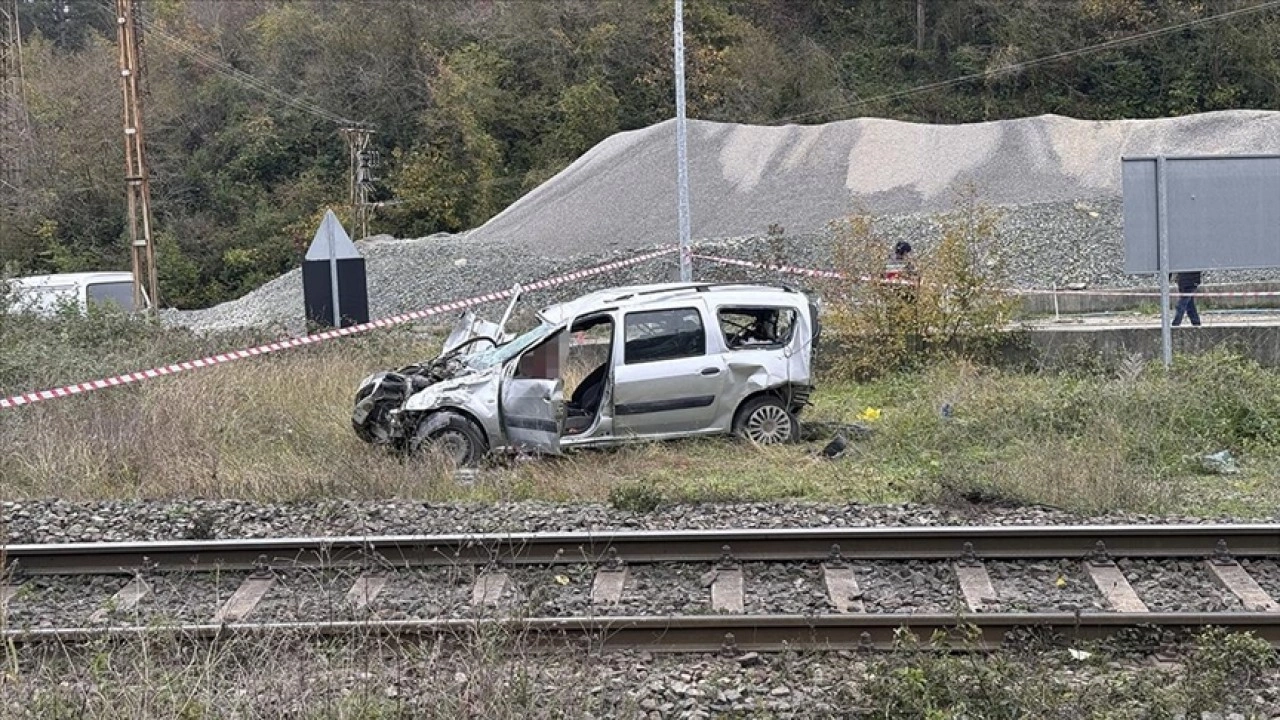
x=501, y=581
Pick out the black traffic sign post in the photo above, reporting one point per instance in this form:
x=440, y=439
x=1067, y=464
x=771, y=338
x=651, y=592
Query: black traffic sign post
x=335, y=292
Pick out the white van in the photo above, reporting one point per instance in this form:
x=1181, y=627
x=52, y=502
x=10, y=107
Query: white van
x=44, y=294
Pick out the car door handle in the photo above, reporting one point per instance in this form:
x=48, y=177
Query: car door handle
x=711, y=371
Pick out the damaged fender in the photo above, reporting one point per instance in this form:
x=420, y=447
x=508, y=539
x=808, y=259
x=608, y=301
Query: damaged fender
x=475, y=394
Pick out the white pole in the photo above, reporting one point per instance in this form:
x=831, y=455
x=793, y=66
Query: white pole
x=1162, y=237
x=333, y=275
x=682, y=160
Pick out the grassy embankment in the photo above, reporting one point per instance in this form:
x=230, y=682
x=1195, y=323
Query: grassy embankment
x=276, y=428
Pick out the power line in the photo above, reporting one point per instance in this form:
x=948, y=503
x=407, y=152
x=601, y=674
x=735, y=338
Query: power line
x=218, y=65
x=1018, y=67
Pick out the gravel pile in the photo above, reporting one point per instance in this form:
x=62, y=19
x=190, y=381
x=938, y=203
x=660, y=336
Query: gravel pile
x=1055, y=179
x=406, y=275
x=53, y=520
x=743, y=178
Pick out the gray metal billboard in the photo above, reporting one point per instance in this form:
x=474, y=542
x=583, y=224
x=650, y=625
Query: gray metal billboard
x=1223, y=212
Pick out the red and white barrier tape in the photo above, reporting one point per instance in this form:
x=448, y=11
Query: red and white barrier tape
x=221, y=358
x=809, y=272
x=776, y=268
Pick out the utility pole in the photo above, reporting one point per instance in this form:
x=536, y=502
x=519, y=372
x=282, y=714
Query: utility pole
x=682, y=160
x=14, y=126
x=361, y=161
x=919, y=25
x=136, y=178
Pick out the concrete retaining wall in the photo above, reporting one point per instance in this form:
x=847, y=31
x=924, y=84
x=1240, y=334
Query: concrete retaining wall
x=1059, y=346
x=1074, y=302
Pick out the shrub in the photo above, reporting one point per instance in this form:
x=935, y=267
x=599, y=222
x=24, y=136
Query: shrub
x=635, y=497
x=952, y=302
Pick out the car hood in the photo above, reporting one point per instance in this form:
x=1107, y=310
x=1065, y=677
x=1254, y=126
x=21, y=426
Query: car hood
x=468, y=327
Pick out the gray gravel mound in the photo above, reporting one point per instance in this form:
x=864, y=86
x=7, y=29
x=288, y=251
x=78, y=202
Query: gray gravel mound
x=1055, y=180
x=742, y=178
x=407, y=275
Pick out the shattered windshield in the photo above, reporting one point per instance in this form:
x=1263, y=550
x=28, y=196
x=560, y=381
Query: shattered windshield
x=502, y=353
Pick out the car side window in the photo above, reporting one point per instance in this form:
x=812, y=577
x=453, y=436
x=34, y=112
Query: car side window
x=663, y=335
x=747, y=328
x=119, y=293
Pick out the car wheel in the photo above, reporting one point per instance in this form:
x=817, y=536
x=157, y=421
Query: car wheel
x=454, y=437
x=766, y=420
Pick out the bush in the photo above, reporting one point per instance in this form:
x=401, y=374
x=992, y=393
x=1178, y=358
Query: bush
x=953, y=302
x=635, y=497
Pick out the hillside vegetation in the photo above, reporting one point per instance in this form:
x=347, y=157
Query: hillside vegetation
x=475, y=103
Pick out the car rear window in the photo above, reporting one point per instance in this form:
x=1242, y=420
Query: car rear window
x=664, y=335
x=746, y=328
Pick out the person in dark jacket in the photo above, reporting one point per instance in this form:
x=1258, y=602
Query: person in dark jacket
x=1187, y=283
x=900, y=266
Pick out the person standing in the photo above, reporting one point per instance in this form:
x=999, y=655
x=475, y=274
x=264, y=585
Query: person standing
x=1187, y=283
x=900, y=266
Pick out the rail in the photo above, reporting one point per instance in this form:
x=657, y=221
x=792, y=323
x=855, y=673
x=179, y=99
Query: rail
x=858, y=543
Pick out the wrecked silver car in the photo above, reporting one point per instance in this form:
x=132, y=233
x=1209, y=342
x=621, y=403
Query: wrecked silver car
x=646, y=362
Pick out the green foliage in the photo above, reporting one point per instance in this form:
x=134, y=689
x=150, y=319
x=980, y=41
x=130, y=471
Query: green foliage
x=1089, y=443
x=1030, y=682
x=1221, y=663
x=947, y=302
x=635, y=497
x=38, y=352
x=476, y=103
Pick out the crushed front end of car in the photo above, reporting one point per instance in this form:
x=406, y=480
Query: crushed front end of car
x=381, y=396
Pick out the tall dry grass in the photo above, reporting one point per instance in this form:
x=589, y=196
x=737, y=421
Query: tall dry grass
x=360, y=677
x=276, y=428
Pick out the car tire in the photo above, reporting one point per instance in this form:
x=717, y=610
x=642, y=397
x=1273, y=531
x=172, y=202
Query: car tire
x=766, y=420
x=456, y=437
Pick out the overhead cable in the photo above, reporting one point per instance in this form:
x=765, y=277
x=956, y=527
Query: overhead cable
x=1020, y=66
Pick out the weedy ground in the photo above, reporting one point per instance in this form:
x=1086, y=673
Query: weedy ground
x=494, y=675
x=276, y=428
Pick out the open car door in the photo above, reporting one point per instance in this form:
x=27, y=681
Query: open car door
x=532, y=397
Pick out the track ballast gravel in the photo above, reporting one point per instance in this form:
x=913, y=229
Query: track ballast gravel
x=55, y=520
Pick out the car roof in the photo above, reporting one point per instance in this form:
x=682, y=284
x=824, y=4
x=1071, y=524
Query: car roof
x=633, y=297
x=80, y=278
